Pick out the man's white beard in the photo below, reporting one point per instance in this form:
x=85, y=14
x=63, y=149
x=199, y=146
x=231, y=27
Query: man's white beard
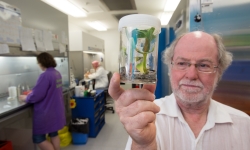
x=194, y=95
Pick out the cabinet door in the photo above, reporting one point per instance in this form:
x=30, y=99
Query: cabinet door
x=92, y=43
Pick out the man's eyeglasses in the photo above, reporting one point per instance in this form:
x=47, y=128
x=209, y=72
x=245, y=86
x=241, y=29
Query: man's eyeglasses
x=205, y=67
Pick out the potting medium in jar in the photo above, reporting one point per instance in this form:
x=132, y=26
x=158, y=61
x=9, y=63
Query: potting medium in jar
x=138, y=58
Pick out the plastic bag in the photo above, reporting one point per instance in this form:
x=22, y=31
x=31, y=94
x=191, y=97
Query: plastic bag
x=63, y=130
x=65, y=137
x=79, y=125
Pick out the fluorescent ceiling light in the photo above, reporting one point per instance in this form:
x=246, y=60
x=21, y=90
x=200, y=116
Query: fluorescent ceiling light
x=171, y=5
x=97, y=25
x=66, y=7
x=89, y=52
x=165, y=18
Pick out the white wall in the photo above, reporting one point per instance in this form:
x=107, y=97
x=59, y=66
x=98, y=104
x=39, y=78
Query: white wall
x=112, y=45
x=74, y=28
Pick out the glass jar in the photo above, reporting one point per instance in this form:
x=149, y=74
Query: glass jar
x=138, y=58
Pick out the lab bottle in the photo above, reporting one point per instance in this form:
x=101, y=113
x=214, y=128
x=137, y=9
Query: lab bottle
x=91, y=85
x=138, y=58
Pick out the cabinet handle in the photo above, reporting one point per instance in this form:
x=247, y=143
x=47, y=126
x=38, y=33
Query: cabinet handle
x=96, y=105
x=96, y=114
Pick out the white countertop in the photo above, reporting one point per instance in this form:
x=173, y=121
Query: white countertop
x=9, y=105
x=12, y=105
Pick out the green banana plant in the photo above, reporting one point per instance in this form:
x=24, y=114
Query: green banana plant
x=149, y=36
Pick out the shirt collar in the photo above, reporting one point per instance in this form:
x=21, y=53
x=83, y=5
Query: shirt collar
x=216, y=113
x=220, y=114
x=169, y=106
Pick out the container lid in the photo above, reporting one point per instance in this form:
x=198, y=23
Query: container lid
x=138, y=20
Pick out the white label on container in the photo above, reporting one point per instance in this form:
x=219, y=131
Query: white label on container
x=207, y=8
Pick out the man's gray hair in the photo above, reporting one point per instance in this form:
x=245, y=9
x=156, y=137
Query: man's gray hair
x=224, y=57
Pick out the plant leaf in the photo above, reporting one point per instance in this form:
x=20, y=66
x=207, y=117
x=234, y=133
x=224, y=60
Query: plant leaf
x=140, y=67
x=142, y=33
x=151, y=33
x=140, y=51
x=138, y=58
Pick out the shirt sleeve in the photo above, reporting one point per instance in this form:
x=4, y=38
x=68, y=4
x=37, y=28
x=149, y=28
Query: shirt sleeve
x=39, y=91
x=97, y=74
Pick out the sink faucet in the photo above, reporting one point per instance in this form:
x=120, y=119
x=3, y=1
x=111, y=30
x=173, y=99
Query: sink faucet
x=20, y=89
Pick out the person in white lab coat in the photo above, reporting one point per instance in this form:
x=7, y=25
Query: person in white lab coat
x=100, y=76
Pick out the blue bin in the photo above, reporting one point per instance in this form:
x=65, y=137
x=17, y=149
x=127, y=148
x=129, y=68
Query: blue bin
x=79, y=138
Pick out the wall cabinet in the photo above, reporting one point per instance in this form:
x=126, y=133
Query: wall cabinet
x=81, y=41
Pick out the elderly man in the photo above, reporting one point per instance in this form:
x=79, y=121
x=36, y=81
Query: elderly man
x=100, y=76
x=188, y=119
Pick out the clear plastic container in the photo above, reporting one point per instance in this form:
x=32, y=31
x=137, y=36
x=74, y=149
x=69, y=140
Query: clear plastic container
x=139, y=48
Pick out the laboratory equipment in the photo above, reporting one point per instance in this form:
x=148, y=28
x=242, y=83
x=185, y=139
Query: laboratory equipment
x=12, y=92
x=139, y=48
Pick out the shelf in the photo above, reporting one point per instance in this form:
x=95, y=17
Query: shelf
x=16, y=50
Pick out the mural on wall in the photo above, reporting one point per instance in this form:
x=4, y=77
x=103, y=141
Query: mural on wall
x=229, y=19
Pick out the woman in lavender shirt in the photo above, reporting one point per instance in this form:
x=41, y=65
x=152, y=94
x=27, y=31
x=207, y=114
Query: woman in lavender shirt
x=47, y=98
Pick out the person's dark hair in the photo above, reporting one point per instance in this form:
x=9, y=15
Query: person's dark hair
x=46, y=60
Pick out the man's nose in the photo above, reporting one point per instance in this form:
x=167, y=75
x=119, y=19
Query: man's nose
x=192, y=73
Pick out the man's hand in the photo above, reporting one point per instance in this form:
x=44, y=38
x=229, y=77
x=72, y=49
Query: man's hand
x=22, y=98
x=137, y=111
x=86, y=76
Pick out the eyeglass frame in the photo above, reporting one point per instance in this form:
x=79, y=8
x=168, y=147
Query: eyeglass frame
x=189, y=64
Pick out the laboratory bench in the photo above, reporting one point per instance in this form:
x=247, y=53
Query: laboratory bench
x=8, y=107
x=16, y=119
x=87, y=82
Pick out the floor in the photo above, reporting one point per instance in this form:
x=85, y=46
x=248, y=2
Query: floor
x=112, y=136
